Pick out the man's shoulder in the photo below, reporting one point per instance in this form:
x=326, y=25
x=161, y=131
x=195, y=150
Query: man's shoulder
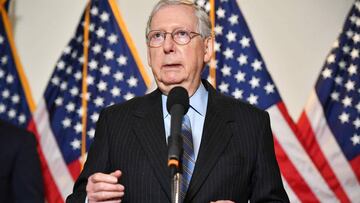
x=229, y=105
x=8, y=128
x=12, y=133
x=237, y=105
x=133, y=104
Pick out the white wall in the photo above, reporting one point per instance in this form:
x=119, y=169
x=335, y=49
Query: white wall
x=293, y=37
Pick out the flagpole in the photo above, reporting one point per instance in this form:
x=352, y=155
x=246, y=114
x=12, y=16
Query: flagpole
x=19, y=68
x=212, y=70
x=84, y=84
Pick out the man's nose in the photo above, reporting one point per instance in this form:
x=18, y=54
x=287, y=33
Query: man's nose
x=169, y=44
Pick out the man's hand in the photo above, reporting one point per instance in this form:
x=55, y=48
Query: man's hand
x=223, y=201
x=104, y=187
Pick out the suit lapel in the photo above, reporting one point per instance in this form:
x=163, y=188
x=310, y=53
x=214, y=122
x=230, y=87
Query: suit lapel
x=149, y=128
x=215, y=138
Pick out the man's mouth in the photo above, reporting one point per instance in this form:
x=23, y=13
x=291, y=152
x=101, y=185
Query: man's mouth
x=172, y=65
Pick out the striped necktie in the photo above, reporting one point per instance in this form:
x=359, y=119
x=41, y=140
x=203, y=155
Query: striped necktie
x=188, y=157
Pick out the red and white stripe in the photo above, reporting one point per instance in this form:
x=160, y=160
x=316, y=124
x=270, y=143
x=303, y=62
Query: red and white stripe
x=58, y=169
x=291, y=194
x=320, y=143
x=296, y=166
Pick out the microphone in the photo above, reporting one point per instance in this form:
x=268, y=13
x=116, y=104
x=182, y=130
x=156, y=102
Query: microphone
x=177, y=105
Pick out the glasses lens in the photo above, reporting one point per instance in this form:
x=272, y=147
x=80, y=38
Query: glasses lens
x=155, y=38
x=181, y=36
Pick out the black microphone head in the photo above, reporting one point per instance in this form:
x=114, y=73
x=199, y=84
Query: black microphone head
x=178, y=95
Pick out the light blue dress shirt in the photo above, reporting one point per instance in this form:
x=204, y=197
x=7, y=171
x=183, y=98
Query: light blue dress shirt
x=197, y=111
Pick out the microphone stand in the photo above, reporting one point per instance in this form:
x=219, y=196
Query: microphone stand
x=175, y=188
x=177, y=105
x=175, y=151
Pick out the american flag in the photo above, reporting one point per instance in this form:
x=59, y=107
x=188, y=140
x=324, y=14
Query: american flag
x=241, y=73
x=75, y=95
x=16, y=102
x=330, y=122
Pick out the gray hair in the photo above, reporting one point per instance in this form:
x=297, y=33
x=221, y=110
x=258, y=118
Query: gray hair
x=203, y=21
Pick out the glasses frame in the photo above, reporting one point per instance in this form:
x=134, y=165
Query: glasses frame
x=191, y=35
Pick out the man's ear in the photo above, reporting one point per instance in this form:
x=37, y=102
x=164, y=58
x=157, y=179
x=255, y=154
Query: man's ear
x=148, y=57
x=209, y=48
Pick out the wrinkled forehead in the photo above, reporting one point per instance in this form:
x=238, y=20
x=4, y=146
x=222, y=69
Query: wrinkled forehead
x=170, y=17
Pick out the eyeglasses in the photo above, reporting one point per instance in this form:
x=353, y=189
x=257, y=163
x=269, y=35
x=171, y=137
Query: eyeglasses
x=156, y=38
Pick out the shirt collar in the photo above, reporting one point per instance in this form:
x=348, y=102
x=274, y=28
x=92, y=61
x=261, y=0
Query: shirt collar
x=196, y=101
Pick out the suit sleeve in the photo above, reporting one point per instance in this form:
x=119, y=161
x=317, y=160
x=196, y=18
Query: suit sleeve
x=266, y=183
x=97, y=160
x=27, y=181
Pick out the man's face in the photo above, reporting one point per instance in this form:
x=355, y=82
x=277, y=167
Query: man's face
x=173, y=64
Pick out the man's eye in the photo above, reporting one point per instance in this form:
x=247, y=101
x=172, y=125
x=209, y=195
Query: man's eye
x=156, y=35
x=181, y=33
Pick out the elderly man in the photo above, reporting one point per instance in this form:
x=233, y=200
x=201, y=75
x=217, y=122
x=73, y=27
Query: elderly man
x=231, y=146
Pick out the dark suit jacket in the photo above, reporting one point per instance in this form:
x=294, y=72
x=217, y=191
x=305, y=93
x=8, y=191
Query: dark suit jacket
x=236, y=160
x=20, y=172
